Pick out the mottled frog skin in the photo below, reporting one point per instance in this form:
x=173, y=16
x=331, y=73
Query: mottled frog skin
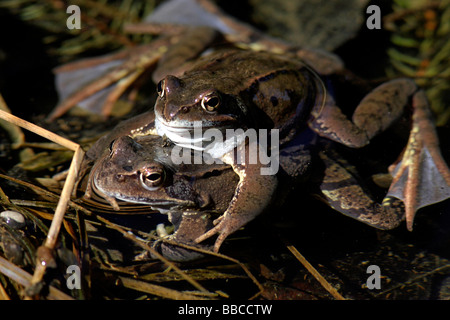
x=230, y=88
x=227, y=75
x=140, y=171
x=191, y=194
x=235, y=89
x=245, y=89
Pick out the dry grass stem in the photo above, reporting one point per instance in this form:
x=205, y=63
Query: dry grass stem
x=221, y=256
x=38, y=130
x=24, y=278
x=65, y=198
x=145, y=246
x=158, y=290
x=315, y=273
x=415, y=279
x=3, y=294
x=41, y=191
x=14, y=132
x=58, y=217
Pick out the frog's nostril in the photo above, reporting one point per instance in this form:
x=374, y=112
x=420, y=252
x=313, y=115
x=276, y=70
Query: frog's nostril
x=171, y=111
x=127, y=168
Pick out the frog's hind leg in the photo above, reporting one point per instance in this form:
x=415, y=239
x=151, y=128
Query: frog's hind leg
x=422, y=177
x=377, y=111
x=341, y=190
x=100, y=81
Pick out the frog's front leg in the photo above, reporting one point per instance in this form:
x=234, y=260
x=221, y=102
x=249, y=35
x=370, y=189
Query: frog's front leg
x=253, y=194
x=421, y=177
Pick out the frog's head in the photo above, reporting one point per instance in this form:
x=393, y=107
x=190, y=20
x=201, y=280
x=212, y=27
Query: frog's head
x=197, y=100
x=132, y=172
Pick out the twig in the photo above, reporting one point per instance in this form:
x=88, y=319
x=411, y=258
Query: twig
x=24, y=278
x=419, y=277
x=221, y=256
x=153, y=252
x=157, y=290
x=315, y=273
x=46, y=252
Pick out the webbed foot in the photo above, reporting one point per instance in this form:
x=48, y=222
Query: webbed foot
x=101, y=81
x=422, y=177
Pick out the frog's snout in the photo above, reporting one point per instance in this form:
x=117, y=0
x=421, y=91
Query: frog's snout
x=171, y=111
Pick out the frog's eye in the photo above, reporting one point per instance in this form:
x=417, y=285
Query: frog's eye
x=152, y=179
x=211, y=102
x=160, y=88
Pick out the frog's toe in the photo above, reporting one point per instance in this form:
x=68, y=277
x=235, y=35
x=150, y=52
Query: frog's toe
x=209, y=234
x=220, y=239
x=224, y=228
x=422, y=177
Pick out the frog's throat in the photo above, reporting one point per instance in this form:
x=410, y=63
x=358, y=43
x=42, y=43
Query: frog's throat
x=207, y=139
x=179, y=135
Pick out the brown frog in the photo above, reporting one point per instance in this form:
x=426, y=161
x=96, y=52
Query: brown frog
x=245, y=89
x=121, y=173
x=215, y=99
x=140, y=171
x=231, y=89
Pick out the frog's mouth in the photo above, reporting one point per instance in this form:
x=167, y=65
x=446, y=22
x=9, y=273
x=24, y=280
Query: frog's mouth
x=185, y=137
x=152, y=200
x=161, y=205
x=201, y=137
